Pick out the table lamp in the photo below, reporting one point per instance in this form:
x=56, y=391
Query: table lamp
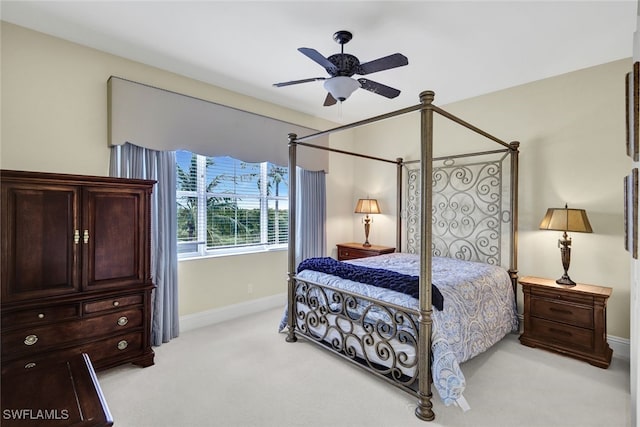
x=367, y=206
x=565, y=219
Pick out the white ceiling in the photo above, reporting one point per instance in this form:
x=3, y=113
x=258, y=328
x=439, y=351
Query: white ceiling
x=458, y=49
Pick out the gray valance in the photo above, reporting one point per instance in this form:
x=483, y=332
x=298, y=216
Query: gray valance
x=167, y=121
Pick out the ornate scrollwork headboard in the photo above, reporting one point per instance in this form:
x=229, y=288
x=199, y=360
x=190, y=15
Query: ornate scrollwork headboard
x=471, y=209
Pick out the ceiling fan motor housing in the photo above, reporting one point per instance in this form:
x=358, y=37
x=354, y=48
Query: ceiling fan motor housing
x=346, y=64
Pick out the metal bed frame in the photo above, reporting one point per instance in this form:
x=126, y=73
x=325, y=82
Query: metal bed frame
x=326, y=316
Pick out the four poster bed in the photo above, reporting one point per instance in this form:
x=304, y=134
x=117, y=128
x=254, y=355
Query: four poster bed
x=378, y=312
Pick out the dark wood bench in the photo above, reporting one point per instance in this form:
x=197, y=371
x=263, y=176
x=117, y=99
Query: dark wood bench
x=60, y=394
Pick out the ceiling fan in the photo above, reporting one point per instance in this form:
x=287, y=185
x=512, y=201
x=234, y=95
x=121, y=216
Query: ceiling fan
x=341, y=66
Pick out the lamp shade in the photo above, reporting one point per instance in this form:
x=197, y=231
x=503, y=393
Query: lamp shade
x=341, y=87
x=565, y=219
x=367, y=206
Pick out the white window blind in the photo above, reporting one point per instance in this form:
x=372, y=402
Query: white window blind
x=227, y=205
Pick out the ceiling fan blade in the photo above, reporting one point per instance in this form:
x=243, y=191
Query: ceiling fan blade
x=385, y=63
x=379, y=88
x=295, y=82
x=329, y=100
x=317, y=57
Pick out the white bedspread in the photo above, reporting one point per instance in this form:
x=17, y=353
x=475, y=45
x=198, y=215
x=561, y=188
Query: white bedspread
x=479, y=310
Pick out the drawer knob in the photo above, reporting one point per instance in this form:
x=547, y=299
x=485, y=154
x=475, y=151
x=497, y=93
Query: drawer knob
x=116, y=303
x=122, y=344
x=30, y=365
x=40, y=315
x=30, y=339
x=123, y=321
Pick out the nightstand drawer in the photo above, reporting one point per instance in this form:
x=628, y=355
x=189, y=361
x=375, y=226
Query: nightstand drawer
x=564, y=335
x=560, y=311
x=347, y=251
x=563, y=295
x=350, y=253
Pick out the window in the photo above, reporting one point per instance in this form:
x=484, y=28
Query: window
x=225, y=205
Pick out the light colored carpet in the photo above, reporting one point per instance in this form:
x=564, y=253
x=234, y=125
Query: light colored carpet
x=243, y=373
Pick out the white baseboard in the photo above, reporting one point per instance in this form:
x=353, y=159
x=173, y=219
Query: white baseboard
x=621, y=347
x=217, y=315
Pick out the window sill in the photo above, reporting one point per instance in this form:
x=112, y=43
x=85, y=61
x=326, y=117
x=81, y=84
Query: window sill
x=233, y=252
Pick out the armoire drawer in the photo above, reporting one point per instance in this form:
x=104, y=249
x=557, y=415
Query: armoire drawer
x=114, y=303
x=36, y=316
x=33, y=339
x=123, y=345
x=118, y=346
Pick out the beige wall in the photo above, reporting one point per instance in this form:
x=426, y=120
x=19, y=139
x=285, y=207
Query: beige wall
x=572, y=133
x=54, y=119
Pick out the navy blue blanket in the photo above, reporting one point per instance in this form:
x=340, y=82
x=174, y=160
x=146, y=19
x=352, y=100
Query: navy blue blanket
x=372, y=276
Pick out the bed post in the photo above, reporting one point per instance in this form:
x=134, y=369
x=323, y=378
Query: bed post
x=399, y=205
x=291, y=319
x=513, y=264
x=424, y=410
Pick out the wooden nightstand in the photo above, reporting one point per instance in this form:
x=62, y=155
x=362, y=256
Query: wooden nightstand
x=567, y=320
x=356, y=250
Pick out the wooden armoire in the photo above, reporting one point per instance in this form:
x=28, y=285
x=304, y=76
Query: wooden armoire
x=75, y=270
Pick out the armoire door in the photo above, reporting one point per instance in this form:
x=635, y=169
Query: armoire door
x=40, y=239
x=114, y=234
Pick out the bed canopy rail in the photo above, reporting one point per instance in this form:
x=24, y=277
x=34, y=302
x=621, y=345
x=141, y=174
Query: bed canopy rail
x=421, y=385
x=513, y=148
x=293, y=139
x=469, y=126
x=359, y=123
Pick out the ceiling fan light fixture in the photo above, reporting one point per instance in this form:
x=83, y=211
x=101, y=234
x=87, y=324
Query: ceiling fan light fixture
x=341, y=87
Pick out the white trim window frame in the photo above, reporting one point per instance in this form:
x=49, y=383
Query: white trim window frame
x=226, y=206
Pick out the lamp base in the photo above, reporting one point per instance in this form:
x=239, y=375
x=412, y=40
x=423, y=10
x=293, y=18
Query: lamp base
x=367, y=226
x=565, y=253
x=565, y=280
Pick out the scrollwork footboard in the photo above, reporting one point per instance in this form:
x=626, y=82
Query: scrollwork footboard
x=380, y=337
